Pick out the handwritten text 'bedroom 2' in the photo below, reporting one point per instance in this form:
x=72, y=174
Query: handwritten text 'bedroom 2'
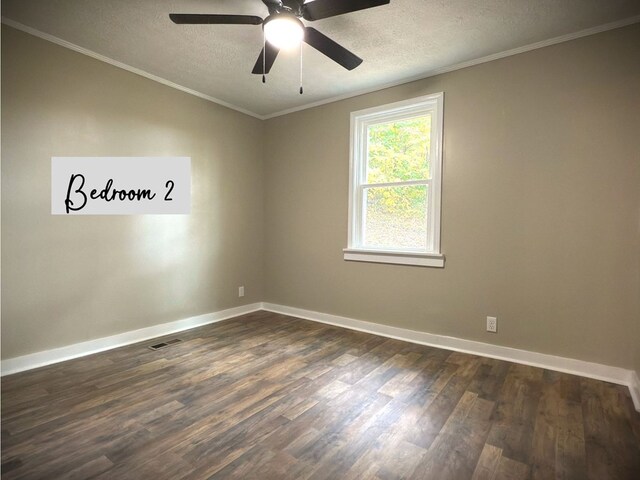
x=120, y=185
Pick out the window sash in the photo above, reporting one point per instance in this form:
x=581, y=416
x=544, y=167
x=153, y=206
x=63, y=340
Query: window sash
x=395, y=118
x=401, y=183
x=360, y=122
x=363, y=216
x=362, y=223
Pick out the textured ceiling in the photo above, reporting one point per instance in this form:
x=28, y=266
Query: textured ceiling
x=403, y=40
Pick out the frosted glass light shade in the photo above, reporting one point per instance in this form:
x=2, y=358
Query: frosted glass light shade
x=284, y=32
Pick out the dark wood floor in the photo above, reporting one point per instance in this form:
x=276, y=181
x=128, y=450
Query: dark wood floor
x=272, y=397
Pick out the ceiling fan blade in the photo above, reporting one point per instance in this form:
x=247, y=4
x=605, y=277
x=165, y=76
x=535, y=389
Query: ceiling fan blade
x=210, y=19
x=331, y=49
x=272, y=53
x=319, y=9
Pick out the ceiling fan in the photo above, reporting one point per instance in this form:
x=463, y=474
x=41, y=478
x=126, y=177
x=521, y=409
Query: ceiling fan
x=283, y=28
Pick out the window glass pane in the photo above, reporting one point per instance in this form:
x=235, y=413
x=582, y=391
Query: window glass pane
x=399, y=151
x=395, y=217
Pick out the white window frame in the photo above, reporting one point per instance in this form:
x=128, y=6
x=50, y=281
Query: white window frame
x=431, y=256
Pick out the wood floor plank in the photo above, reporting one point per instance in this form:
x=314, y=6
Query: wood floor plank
x=612, y=451
x=90, y=469
x=457, y=448
x=546, y=429
x=266, y=396
x=509, y=469
x=487, y=464
x=515, y=414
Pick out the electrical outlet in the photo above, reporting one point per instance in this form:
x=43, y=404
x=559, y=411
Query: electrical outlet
x=241, y=291
x=492, y=324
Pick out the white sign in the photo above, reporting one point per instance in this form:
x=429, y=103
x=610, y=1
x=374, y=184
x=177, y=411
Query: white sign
x=120, y=185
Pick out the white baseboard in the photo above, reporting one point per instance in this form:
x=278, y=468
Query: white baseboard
x=634, y=388
x=47, y=357
x=597, y=371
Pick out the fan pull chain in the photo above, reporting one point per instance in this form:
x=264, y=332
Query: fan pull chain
x=301, y=89
x=264, y=56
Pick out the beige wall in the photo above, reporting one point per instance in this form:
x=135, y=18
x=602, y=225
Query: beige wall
x=70, y=279
x=540, y=210
x=637, y=334
x=540, y=223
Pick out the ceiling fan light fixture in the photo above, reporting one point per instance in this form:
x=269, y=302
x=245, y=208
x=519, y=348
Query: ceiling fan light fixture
x=283, y=31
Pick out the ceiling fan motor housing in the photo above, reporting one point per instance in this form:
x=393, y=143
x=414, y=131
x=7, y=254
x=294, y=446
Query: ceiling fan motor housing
x=282, y=15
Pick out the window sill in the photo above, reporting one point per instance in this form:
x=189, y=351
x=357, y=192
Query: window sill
x=397, y=258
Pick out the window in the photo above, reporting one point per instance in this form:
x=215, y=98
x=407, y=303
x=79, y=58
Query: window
x=394, y=194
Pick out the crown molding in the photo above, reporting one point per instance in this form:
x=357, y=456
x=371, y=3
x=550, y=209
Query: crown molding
x=124, y=66
x=470, y=63
x=429, y=73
